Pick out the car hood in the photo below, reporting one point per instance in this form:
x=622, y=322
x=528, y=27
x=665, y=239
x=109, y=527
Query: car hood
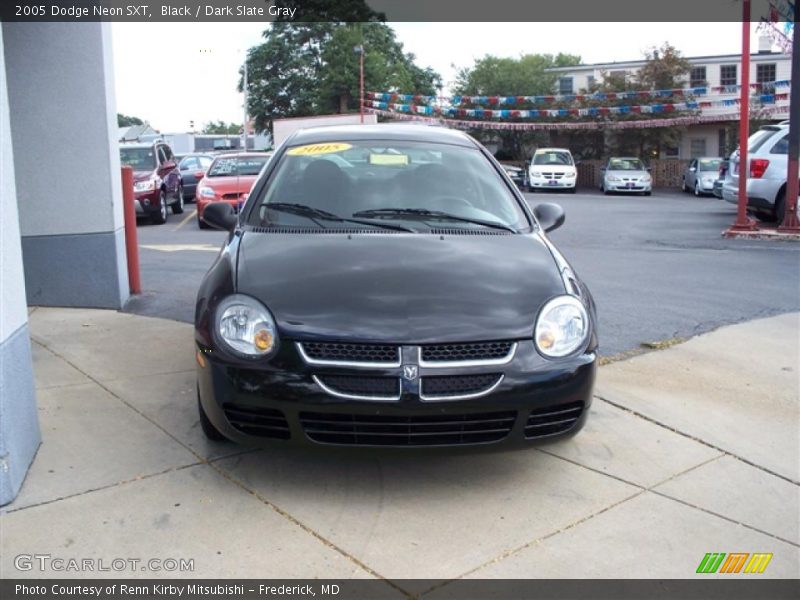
x=230, y=185
x=627, y=174
x=143, y=175
x=554, y=168
x=404, y=288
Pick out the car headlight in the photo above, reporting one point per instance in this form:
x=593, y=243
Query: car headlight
x=246, y=327
x=646, y=179
x=612, y=177
x=206, y=192
x=148, y=185
x=536, y=173
x=569, y=175
x=562, y=327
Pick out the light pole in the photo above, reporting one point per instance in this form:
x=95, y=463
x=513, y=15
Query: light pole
x=360, y=50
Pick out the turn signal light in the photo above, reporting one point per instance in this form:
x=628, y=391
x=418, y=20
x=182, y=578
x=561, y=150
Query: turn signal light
x=757, y=167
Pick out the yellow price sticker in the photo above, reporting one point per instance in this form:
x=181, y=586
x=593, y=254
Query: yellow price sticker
x=315, y=149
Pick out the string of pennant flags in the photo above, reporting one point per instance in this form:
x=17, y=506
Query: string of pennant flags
x=574, y=125
x=624, y=95
x=594, y=111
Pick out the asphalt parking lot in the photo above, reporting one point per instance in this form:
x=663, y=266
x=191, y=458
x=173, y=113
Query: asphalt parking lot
x=656, y=265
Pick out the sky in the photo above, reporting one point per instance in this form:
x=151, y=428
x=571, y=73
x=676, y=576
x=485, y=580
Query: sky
x=172, y=73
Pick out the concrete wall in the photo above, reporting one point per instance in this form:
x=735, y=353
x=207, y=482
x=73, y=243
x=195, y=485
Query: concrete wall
x=66, y=160
x=19, y=428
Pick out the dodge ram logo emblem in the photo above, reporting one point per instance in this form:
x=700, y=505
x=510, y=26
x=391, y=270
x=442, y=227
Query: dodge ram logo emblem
x=410, y=372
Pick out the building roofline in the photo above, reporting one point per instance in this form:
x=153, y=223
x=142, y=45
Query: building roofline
x=642, y=61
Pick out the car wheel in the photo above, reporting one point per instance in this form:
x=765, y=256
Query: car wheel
x=211, y=432
x=697, y=189
x=648, y=193
x=684, y=189
x=780, y=207
x=572, y=190
x=604, y=190
x=200, y=223
x=160, y=217
x=177, y=207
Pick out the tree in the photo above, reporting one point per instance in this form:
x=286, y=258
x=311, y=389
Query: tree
x=309, y=66
x=222, y=128
x=128, y=121
x=528, y=75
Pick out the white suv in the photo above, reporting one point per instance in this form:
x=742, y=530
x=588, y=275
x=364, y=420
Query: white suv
x=552, y=169
x=767, y=151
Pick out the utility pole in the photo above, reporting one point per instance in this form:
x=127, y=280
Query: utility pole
x=244, y=90
x=790, y=222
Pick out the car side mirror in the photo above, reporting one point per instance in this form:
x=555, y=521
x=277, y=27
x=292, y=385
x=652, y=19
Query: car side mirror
x=220, y=215
x=199, y=175
x=550, y=216
x=692, y=169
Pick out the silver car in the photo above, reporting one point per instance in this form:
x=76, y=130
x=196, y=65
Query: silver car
x=700, y=175
x=626, y=174
x=767, y=151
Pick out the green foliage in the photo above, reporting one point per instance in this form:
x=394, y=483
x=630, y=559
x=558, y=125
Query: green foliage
x=305, y=69
x=221, y=127
x=128, y=121
x=523, y=76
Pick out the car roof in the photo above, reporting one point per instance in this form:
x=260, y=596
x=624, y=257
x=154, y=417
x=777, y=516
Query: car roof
x=624, y=158
x=552, y=150
x=385, y=131
x=241, y=154
x=136, y=145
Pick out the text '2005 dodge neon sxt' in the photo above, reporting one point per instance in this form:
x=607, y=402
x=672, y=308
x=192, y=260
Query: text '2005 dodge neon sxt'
x=388, y=286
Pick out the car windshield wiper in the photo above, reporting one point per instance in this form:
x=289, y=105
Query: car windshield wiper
x=432, y=214
x=317, y=213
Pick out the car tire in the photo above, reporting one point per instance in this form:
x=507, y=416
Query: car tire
x=160, y=217
x=684, y=189
x=211, y=432
x=202, y=224
x=177, y=206
x=697, y=189
x=780, y=206
x=573, y=189
x=648, y=193
x=604, y=190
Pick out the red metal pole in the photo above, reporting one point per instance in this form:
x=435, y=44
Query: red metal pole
x=790, y=222
x=743, y=223
x=361, y=80
x=131, y=239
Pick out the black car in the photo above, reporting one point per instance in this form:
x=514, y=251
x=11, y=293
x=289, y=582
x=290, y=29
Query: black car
x=388, y=285
x=517, y=175
x=193, y=168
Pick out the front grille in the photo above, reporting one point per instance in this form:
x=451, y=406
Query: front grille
x=364, y=387
x=233, y=196
x=445, y=386
x=389, y=430
x=261, y=422
x=478, y=351
x=551, y=420
x=345, y=352
x=548, y=175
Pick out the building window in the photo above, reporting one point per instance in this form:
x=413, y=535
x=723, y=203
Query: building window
x=589, y=82
x=698, y=147
x=727, y=75
x=671, y=152
x=722, y=139
x=697, y=77
x=565, y=85
x=765, y=73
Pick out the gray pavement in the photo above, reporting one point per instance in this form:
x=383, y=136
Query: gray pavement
x=688, y=450
x=657, y=266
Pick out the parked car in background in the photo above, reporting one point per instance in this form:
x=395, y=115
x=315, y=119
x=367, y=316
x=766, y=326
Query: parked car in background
x=723, y=169
x=767, y=151
x=193, y=168
x=552, y=169
x=700, y=175
x=412, y=299
x=156, y=179
x=229, y=179
x=517, y=175
x=626, y=174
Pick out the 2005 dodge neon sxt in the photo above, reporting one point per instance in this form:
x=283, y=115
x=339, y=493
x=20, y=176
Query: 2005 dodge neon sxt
x=388, y=285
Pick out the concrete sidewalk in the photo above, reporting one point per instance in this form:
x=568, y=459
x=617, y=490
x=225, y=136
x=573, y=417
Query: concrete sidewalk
x=688, y=450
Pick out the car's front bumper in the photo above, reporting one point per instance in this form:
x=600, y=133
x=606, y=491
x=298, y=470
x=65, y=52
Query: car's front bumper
x=281, y=402
x=552, y=184
x=146, y=202
x=625, y=186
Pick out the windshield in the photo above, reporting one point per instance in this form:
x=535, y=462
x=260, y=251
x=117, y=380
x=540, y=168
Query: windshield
x=756, y=140
x=709, y=164
x=226, y=166
x=552, y=158
x=625, y=164
x=141, y=159
x=405, y=182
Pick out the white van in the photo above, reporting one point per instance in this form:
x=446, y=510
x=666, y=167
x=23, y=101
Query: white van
x=552, y=169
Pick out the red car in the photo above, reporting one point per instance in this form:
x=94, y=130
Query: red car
x=157, y=182
x=229, y=179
